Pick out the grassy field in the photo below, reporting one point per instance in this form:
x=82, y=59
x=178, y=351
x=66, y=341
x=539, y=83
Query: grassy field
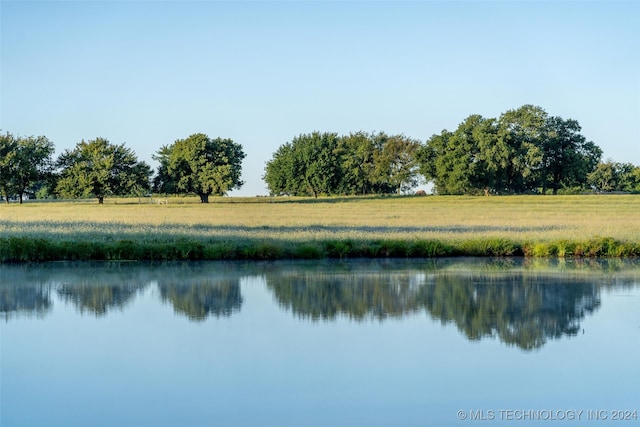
x=259, y=228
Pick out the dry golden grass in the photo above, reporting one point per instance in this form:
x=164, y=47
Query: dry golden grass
x=522, y=218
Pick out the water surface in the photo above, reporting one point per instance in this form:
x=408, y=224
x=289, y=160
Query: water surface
x=366, y=343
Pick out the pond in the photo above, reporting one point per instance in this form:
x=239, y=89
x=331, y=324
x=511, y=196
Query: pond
x=323, y=343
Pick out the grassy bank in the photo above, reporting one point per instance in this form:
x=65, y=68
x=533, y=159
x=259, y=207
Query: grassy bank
x=265, y=228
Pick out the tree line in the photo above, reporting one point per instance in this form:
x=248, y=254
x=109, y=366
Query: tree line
x=97, y=168
x=359, y=163
x=523, y=151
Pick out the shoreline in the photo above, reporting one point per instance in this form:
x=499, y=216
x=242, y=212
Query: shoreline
x=25, y=249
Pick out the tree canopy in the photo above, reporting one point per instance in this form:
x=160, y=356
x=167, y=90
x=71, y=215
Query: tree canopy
x=525, y=150
x=614, y=176
x=98, y=168
x=327, y=164
x=24, y=162
x=308, y=165
x=200, y=165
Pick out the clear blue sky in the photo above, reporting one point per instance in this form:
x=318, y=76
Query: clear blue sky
x=146, y=73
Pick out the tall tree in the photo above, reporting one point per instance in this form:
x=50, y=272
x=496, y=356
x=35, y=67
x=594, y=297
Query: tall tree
x=24, y=161
x=630, y=178
x=320, y=170
x=163, y=182
x=523, y=150
x=395, y=161
x=359, y=163
x=98, y=168
x=605, y=177
x=452, y=159
x=428, y=157
x=568, y=157
x=34, y=162
x=204, y=166
x=308, y=165
x=282, y=172
x=8, y=155
x=492, y=157
x=614, y=176
x=521, y=137
x=356, y=156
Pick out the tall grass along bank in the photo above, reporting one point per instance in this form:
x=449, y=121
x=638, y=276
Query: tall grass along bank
x=299, y=228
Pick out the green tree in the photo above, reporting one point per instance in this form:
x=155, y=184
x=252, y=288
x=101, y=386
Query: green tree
x=319, y=163
x=163, y=182
x=605, y=177
x=98, y=168
x=395, y=162
x=24, y=161
x=630, y=178
x=614, y=176
x=568, y=158
x=8, y=154
x=282, y=172
x=523, y=150
x=308, y=165
x=34, y=162
x=201, y=165
x=521, y=133
x=487, y=155
x=429, y=156
x=451, y=159
x=491, y=158
x=356, y=152
x=359, y=163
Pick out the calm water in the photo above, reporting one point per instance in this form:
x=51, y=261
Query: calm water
x=364, y=343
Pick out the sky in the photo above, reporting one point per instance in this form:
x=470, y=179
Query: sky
x=146, y=73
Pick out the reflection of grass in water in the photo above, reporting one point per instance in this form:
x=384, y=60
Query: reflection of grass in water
x=265, y=228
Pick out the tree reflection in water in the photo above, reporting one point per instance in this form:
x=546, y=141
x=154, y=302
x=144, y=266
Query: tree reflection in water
x=193, y=289
x=518, y=308
x=358, y=296
x=523, y=304
x=198, y=298
x=98, y=297
x=30, y=299
x=99, y=290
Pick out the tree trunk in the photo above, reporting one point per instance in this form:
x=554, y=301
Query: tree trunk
x=20, y=198
x=100, y=200
x=204, y=198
